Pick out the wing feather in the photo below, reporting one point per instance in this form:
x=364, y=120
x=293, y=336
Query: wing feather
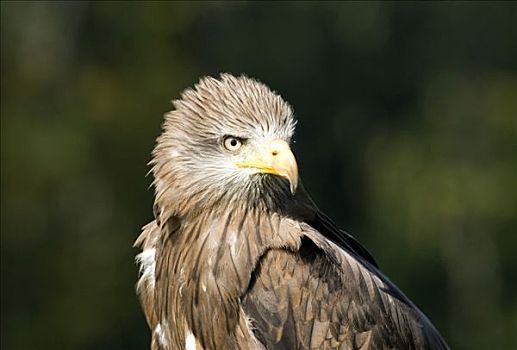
x=306, y=300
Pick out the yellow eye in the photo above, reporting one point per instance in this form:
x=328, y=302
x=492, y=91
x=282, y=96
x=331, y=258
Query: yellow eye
x=232, y=143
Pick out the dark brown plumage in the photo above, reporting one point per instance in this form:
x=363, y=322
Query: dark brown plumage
x=239, y=257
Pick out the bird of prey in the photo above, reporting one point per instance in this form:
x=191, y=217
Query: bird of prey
x=239, y=256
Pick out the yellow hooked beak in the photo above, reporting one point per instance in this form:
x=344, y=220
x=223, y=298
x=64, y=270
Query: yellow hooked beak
x=275, y=158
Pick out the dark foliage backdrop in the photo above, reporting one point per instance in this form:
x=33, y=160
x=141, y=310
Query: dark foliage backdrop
x=407, y=137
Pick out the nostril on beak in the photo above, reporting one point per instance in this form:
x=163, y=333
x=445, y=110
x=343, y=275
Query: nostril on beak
x=274, y=153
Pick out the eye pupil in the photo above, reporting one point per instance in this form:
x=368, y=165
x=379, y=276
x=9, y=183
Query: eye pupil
x=233, y=142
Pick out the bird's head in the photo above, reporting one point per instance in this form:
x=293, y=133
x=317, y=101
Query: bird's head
x=227, y=140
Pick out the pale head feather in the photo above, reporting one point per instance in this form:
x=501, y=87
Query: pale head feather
x=191, y=169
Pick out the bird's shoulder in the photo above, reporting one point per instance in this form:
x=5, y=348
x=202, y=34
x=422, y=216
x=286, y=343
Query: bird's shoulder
x=323, y=296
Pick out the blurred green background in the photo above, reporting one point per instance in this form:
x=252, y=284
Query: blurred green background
x=407, y=137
